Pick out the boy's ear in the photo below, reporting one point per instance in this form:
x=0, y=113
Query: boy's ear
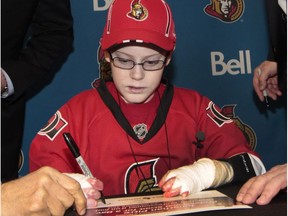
x=107, y=56
x=168, y=58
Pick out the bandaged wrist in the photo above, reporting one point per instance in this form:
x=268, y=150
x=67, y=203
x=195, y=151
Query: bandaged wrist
x=244, y=166
x=223, y=173
x=194, y=178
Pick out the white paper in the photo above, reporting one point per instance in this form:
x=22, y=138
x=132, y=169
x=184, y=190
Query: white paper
x=159, y=205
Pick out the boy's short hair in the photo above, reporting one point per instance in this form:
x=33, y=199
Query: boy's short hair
x=140, y=21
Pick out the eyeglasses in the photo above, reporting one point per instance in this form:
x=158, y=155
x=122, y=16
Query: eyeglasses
x=127, y=64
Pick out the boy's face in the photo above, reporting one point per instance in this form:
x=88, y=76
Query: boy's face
x=136, y=85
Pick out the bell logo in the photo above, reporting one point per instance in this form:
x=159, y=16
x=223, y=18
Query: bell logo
x=233, y=66
x=101, y=5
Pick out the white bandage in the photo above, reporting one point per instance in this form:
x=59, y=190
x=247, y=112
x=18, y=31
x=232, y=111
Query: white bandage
x=82, y=179
x=194, y=178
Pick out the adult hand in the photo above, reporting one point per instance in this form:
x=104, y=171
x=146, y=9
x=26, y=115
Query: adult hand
x=43, y=192
x=264, y=187
x=268, y=80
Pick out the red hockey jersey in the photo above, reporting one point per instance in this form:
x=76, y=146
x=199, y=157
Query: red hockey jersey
x=131, y=146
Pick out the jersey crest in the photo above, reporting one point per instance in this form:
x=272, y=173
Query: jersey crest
x=140, y=177
x=55, y=124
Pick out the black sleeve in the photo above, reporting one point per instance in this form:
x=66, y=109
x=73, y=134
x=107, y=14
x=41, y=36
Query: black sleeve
x=242, y=167
x=49, y=40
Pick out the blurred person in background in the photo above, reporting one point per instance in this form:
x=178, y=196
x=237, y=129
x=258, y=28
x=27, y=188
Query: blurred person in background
x=270, y=75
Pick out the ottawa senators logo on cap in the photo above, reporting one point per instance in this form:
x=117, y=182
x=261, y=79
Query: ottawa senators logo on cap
x=225, y=10
x=138, y=11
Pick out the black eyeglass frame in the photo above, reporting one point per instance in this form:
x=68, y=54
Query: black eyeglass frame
x=134, y=63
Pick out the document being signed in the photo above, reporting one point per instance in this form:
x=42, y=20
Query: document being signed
x=159, y=205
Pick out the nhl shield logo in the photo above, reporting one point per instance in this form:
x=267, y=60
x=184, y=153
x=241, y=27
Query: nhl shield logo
x=227, y=11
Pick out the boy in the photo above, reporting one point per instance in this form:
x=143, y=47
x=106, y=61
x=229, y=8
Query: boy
x=137, y=129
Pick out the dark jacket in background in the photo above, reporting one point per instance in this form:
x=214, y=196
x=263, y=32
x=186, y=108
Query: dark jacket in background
x=277, y=21
x=48, y=26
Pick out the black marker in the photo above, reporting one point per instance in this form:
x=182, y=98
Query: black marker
x=264, y=91
x=75, y=151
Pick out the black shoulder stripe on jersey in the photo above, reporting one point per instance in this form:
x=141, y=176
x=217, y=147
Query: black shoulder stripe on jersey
x=162, y=112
